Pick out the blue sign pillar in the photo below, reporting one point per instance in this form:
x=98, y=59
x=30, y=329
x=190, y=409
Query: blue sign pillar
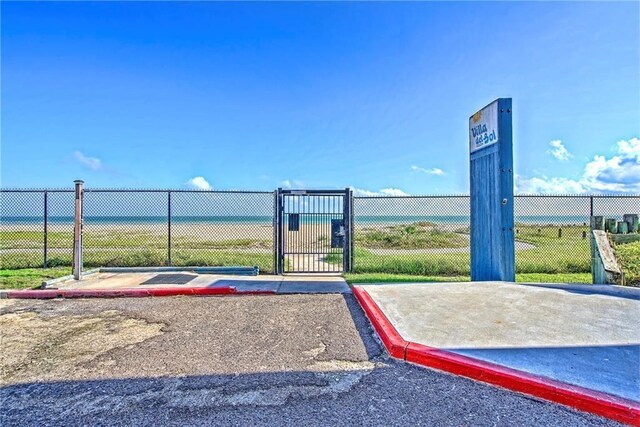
x=491, y=162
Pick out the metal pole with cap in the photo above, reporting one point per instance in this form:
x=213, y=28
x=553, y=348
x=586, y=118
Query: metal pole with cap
x=77, y=231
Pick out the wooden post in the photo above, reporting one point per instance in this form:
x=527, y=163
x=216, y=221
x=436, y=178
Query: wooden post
x=622, y=227
x=491, y=185
x=604, y=265
x=597, y=223
x=77, y=231
x=632, y=222
x=610, y=225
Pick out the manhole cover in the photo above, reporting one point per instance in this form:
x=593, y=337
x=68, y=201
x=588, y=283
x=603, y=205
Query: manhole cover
x=170, y=279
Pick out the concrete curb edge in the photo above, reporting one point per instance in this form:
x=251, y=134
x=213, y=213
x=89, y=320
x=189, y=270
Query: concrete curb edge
x=598, y=403
x=128, y=293
x=395, y=344
x=50, y=282
x=235, y=271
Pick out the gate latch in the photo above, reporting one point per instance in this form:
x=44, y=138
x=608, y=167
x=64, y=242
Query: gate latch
x=337, y=233
x=294, y=222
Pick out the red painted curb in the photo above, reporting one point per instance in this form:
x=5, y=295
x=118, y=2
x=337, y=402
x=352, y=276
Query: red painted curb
x=581, y=398
x=392, y=340
x=599, y=403
x=129, y=293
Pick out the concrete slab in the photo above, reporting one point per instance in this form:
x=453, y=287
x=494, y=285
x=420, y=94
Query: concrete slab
x=298, y=284
x=588, y=339
x=318, y=286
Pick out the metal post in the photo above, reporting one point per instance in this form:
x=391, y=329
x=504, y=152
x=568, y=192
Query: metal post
x=275, y=233
x=46, y=220
x=169, y=228
x=352, y=237
x=280, y=250
x=346, y=209
x=591, y=206
x=77, y=231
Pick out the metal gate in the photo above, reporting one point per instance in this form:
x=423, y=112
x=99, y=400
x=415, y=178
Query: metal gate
x=314, y=230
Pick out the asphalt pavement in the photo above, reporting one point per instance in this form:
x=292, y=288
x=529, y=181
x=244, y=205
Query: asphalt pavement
x=303, y=360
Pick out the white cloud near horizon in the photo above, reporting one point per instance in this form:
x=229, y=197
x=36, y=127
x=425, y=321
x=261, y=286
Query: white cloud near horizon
x=382, y=192
x=559, y=151
x=289, y=184
x=92, y=163
x=199, y=183
x=432, y=171
x=618, y=174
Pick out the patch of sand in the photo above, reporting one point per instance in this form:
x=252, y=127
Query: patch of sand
x=44, y=348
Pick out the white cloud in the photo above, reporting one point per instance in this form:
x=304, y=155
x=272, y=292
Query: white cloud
x=289, y=184
x=92, y=163
x=432, y=171
x=547, y=185
x=559, y=151
x=618, y=174
x=383, y=192
x=199, y=183
x=392, y=192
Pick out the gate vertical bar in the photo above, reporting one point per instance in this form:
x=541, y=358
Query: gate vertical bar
x=46, y=224
x=169, y=228
x=77, y=231
x=345, y=221
x=275, y=233
x=351, y=231
x=279, y=210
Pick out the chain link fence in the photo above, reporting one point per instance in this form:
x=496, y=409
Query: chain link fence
x=429, y=235
x=414, y=235
x=124, y=228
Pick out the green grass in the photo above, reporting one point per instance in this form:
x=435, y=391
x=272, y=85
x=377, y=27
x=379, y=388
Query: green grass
x=569, y=254
x=554, y=278
x=412, y=236
x=399, y=278
x=134, y=257
x=111, y=239
x=146, y=248
x=629, y=257
x=522, y=278
x=30, y=277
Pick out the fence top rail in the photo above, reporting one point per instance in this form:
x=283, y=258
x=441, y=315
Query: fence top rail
x=127, y=190
x=36, y=190
x=583, y=196
x=451, y=196
x=293, y=192
x=183, y=190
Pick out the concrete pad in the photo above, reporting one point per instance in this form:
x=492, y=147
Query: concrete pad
x=318, y=286
x=298, y=284
x=588, y=339
x=250, y=285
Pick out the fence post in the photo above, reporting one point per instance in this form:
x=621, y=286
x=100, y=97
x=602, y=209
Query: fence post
x=77, y=231
x=169, y=228
x=274, y=223
x=46, y=220
x=280, y=233
x=591, y=206
x=352, y=238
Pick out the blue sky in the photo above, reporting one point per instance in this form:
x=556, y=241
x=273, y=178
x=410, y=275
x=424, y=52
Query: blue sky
x=375, y=96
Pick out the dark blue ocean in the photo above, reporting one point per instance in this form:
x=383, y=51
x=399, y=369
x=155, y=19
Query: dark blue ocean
x=267, y=220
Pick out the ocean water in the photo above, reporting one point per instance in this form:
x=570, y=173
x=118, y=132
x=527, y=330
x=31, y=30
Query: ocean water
x=268, y=220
